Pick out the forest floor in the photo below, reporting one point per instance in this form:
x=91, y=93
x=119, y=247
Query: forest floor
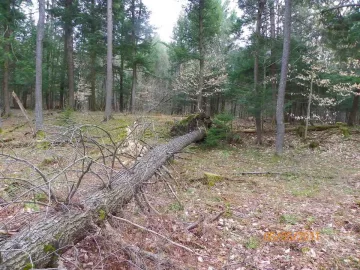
x=224, y=219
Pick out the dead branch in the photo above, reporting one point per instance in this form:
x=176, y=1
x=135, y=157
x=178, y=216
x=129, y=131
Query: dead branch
x=156, y=233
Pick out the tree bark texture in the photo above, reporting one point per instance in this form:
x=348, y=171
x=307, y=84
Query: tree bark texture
x=38, y=77
x=280, y=126
x=70, y=54
x=59, y=231
x=6, y=73
x=354, y=109
x=202, y=55
x=109, y=71
x=261, y=7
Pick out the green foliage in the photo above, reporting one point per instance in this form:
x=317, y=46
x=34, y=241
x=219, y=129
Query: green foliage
x=102, y=215
x=49, y=248
x=252, y=243
x=176, y=207
x=66, y=116
x=28, y=266
x=220, y=130
x=288, y=219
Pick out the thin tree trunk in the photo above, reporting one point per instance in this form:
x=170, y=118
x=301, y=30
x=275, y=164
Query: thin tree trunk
x=121, y=98
x=133, y=86
x=354, y=109
x=93, y=81
x=280, y=126
x=58, y=232
x=39, y=53
x=63, y=76
x=6, y=73
x=202, y=55
x=109, y=71
x=133, y=89
x=309, y=107
x=261, y=7
x=273, y=59
x=70, y=56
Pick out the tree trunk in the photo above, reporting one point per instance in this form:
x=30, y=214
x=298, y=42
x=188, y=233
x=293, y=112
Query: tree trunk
x=202, y=55
x=39, y=53
x=133, y=86
x=354, y=109
x=309, y=106
x=6, y=73
x=273, y=59
x=70, y=54
x=261, y=7
x=92, y=101
x=133, y=89
x=109, y=71
x=280, y=126
x=62, y=230
x=121, y=98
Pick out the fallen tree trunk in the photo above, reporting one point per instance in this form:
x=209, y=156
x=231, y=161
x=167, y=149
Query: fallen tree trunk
x=40, y=243
x=297, y=129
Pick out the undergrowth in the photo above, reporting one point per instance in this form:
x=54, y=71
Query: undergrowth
x=221, y=131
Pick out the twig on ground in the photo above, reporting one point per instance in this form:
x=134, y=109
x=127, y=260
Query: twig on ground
x=156, y=233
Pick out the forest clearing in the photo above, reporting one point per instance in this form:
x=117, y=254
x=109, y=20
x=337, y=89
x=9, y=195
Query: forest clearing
x=179, y=134
x=210, y=207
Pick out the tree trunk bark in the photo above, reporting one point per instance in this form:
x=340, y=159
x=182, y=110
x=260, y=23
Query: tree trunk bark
x=121, y=98
x=109, y=71
x=40, y=239
x=133, y=90
x=272, y=57
x=70, y=55
x=309, y=106
x=6, y=73
x=280, y=126
x=261, y=7
x=354, y=109
x=202, y=55
x=39, y=53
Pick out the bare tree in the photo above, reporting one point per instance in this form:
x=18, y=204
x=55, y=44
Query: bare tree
x=280, y=126
x=109, y=71
x=39, y=52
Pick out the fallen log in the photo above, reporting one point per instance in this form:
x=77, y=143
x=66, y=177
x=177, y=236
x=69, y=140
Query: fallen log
x=298, y=129
x=39, y=244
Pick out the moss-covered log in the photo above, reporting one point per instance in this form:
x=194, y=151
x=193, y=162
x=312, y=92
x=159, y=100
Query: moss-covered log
x=190, y=123
x=38, y=244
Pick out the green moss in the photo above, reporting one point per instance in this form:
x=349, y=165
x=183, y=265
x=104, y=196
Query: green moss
x=301, y=131
x=122, y=134
x=41, y=197
x=252, y=243
x=44, y=145
x=288, y=219
x=176, y=207
x=228, y=213
x=32, y=206
x=211, y=178
x=345, y=131
x=102, y=214
x=47, y=161
x=314, y=144
x=40, y=134
x=49, y=248
x=1, y=130
x=28, y=266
